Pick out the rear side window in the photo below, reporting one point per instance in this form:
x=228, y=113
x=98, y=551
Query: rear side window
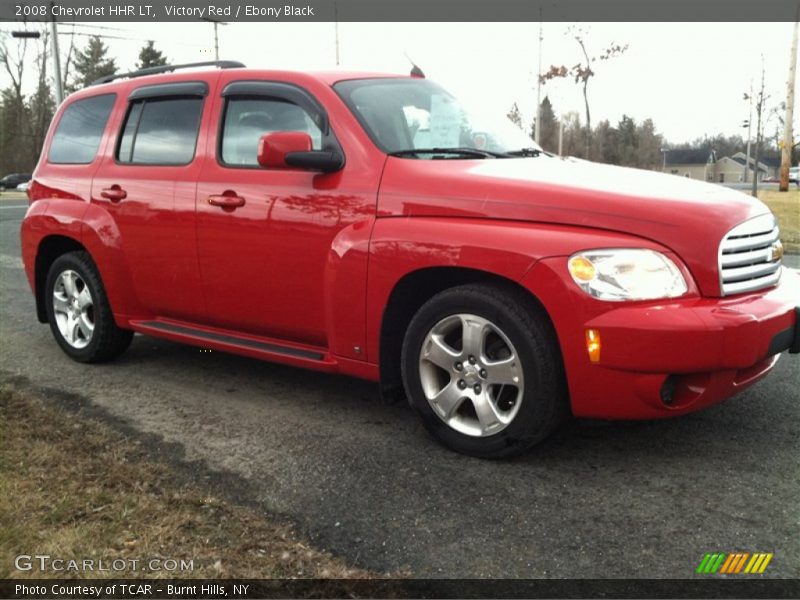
x=78, y=134
x=160, y=131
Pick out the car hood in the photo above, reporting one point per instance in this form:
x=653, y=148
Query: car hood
x=686, y=216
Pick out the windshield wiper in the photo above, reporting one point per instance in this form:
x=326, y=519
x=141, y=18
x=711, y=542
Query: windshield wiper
x=525, y=152
x=473, y=152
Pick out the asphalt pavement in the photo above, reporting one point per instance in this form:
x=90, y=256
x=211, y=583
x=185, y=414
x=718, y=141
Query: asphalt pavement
x=362, y=479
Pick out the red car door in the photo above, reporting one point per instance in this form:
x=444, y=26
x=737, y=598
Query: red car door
x=147, y=183
x=266, y=263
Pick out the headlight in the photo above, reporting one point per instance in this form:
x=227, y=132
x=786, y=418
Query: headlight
x=626, y=274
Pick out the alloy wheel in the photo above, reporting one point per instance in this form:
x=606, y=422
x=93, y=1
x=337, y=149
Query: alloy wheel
x=471, y=375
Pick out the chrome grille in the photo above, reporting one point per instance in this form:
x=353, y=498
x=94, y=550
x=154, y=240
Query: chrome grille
x=749, y=256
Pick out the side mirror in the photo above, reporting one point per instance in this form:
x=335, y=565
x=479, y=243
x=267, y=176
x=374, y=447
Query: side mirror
x=293, y=149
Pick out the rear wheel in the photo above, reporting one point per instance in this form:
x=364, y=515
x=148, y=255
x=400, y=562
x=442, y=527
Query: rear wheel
x=481, y=366
x=79, y=312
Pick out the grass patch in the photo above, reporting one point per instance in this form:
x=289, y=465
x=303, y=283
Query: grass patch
x=75, y=488
x=13, y=195
x=786, y=206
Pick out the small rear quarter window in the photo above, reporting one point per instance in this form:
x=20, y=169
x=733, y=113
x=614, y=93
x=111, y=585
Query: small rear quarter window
x=77, y=136
x=161, y=131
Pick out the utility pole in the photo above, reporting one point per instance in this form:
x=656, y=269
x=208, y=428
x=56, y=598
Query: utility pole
x=215, y=23
x=216, y=42
x=58, y=83
x=336, y=28
x=537, y=131
x=759, y=110
x=786, y=151
x=749, y=125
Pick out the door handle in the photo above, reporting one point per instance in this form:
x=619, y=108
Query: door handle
x=114, y=193
x=227, y=200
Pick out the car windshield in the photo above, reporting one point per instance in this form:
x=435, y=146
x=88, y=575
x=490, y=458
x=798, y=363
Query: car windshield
x=416, y=118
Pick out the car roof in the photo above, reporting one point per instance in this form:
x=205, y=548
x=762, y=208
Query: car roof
x=328, y=78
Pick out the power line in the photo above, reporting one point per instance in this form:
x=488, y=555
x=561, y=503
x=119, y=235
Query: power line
x=91, y=26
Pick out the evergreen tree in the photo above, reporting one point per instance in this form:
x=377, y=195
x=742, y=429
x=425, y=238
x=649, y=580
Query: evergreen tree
x=548, y=136
x=650, y=144
x=574, y=135
x=40, y=108
x=13, y=141
x=605, y=142
x=150, y=57
x=627, y=142
x=91, y=63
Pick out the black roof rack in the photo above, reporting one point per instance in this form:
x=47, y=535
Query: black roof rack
x=222, y=64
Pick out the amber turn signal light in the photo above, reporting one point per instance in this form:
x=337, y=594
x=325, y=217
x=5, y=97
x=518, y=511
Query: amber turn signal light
x=581, y=269
x=593, y=344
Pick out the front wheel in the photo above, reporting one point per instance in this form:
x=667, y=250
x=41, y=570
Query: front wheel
x=79, y=312
x=482, y=368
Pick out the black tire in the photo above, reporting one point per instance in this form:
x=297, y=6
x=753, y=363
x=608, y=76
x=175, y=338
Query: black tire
x=107, y=341
x=544, y=401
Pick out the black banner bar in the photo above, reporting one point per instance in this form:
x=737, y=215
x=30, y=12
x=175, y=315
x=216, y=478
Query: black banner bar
x=400, y=10
x=706, y=587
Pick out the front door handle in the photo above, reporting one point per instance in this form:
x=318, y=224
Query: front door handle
x=114, y=193
x=227, y=200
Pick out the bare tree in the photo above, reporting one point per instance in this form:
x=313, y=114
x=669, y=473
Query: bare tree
x=12, y=56
x=515, y=116
x=582, y=72
x=760, y=102
x=41, y=105
x=68, y=61
x=12, y=120
x=24, y=119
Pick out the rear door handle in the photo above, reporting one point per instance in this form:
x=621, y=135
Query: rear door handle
x=114, y=193
x=228, y=200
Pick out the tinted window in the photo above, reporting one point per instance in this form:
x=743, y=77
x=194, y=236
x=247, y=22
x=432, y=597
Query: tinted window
x=161, y=131
x=247, y=119
x=78, y=134
x=131, y=123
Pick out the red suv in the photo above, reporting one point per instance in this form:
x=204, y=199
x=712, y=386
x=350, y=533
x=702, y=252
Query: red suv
x=372, y=225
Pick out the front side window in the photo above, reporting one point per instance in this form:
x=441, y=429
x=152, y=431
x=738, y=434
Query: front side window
x=247, y=119
x=77, y=137
x=407, y=115
x=161, y=131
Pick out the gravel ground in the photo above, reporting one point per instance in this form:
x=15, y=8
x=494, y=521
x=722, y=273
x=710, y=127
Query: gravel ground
x=362, y=479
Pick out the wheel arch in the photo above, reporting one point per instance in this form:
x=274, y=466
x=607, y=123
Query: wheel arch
x=49, y=249
x=417, y=287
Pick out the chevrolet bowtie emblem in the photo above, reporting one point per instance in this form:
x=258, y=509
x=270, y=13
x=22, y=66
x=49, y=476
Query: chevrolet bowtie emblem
x=777, y=251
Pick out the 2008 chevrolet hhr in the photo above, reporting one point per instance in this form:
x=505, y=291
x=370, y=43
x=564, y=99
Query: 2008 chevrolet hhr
x=371, y=225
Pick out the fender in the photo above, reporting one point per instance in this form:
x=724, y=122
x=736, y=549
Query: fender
x=45, y=218
x=33, y=230
x=345, y=290
x=509, y=249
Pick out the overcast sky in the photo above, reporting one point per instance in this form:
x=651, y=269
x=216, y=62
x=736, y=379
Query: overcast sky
x=688, y=77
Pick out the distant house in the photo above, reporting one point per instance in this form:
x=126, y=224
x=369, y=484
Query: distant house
x=695, y=164
x=768, y=166
x=705, y=165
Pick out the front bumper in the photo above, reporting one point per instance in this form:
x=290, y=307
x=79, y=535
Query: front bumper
x=659, y=359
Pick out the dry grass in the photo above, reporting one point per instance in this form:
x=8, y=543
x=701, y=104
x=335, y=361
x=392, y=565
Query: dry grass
x=786, y=206
x=73, y=487
x=13, y=195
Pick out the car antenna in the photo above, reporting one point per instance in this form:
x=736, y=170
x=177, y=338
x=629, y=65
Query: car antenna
x=415, y=70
